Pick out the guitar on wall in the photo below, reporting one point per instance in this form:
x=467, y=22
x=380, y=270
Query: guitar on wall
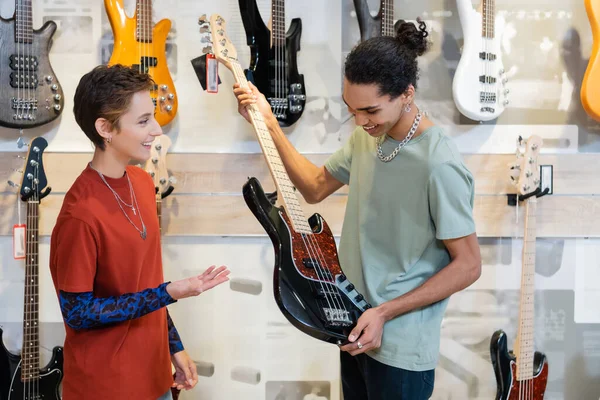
x=309, y=286
x=523, y=374
x=141, y=45
x=156, y=166
x=27, y=380
x=479, y=85
x=591, y=80
x=273, y=65
x=380, y=25
x=31, y=94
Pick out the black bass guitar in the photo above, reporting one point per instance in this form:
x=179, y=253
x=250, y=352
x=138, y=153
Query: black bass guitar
x=27, y=380
x=310, y=288
x=4, y=369
x=273, y=65
x=31, y=94
x=380, y=25
x=523, y=374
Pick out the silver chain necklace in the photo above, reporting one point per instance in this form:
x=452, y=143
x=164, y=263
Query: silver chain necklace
x=142, y=232
x=411, y=132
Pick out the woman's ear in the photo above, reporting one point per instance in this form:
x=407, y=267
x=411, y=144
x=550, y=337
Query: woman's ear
x=104, y=128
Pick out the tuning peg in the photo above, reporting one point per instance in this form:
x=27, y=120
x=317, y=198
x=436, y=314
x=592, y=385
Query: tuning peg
x=202, y=20
x=207, y=50
x=206, y=39
x=204, y=29
x=12, y=184
x=172, y=179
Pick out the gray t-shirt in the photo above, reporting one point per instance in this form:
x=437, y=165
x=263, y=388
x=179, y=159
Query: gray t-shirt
x=397, y=215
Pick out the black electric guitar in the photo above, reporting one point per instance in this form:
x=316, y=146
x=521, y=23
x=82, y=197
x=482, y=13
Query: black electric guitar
x=4, y=369
x=31, y=94
x=310, y=288
x=523, y=374
x=273, y=65
x=27, y=380
x=380, y=25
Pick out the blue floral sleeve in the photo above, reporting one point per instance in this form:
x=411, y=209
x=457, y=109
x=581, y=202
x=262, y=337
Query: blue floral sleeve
x=175, y=344
x=84, y=311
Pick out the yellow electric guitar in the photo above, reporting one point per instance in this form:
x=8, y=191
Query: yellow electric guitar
x=590, y=87
x=142, y=45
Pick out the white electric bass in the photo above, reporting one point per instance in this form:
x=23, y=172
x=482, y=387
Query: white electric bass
x=479, y=86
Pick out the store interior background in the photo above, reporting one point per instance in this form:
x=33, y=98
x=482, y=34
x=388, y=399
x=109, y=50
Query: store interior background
x=243, y=346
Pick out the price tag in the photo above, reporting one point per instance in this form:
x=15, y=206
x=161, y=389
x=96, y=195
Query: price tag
x=212, y=74
x=19, y=241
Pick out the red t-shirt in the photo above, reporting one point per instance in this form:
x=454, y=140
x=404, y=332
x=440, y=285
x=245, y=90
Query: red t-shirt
x=95, y=248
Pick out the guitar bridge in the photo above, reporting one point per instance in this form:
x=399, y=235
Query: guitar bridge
x=335, y=317
x=487, y=97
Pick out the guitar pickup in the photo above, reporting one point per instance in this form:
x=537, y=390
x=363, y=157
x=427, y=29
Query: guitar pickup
x=487, y=56
x=26, y=63
x=487, y=79
x=23, y=81
x=149, y=61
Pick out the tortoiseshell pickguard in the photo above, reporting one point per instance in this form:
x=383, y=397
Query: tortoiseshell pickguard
x=320, y=245
x=531, y=390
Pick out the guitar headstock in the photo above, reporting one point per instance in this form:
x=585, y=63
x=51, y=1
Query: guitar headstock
x=222, y=47
x=33, y=184
x=156, y=165
x=525, y=172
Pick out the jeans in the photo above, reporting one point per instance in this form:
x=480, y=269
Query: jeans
x=166, y=396
x=364, y=378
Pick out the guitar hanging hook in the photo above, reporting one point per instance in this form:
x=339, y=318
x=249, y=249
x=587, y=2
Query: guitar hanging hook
x=167, y=192
x=26, y=196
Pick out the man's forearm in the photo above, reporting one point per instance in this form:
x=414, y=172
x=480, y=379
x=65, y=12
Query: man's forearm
x=454, y=277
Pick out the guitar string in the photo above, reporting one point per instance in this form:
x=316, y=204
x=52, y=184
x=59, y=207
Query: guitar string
x=19, y=79
x=34, y=274
x=256, y=115
x=275, y=27
x=315, y=252
x=318, y=270
x=284, y=70
x=526, y=388
x=277, y=43
x=28, y=63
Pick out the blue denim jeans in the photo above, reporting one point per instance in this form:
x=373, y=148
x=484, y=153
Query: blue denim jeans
x=166, y=396
x=364, y=378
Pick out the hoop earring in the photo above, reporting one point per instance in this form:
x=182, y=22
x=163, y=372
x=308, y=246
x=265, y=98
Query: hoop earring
x=407, y=108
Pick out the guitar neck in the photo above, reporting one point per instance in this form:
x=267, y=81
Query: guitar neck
x=143, y=32
x=159, y=211
x=387, y=18
x=284, y=185
x=30, y=355
x=278, y=22
x=24, y=21
x=488, y=19
x=525, y=350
